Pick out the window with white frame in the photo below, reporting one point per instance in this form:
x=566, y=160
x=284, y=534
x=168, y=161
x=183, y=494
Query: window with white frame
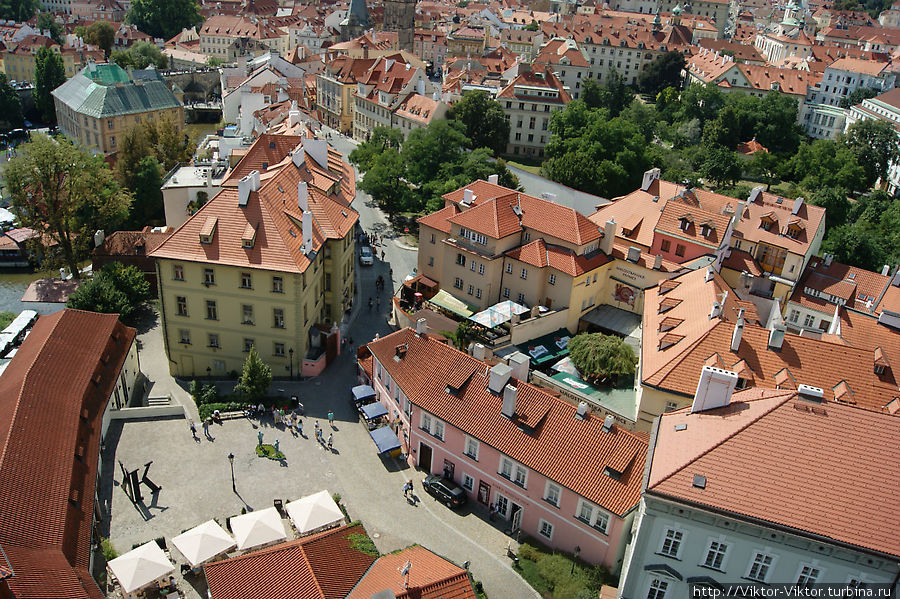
x=552, y=280
x=657, y=589
x=509, y=269
x=426, y=422
x=671, y=545
x=545, y=529
x=472, y=447
x=808, y=575
x=552, y=493
x=433, y=426
x=593, y=516
x=760, y=566
x=715, y=554
x=438, y=430
x=468, y=482
x=506, y=468
x=524, y=274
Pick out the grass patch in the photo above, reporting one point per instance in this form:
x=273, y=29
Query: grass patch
x=6, y=317
x=534, y=169
x=559, y=575
x=363, y=544
x=268, y=451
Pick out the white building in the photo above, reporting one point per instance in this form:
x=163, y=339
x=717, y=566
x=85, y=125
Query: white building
x=885, y=107
x=183, y=185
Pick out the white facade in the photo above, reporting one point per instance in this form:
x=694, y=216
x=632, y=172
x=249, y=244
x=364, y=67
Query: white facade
x=837, y=84
x=122, y=393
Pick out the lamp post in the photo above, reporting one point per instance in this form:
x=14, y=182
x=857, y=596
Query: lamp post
x=577, y=551
x=291, y=357
x=231, y=461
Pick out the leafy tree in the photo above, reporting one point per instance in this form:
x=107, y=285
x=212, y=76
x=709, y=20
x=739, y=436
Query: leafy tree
x=852, y=244
x=663, y=72
x=721, y=166
x=614, y=94
x=114, y=289
x=533, y=26
x=18, y=10
x=213, y=62
x=598, y=356
x=875, y=145
x=474, y=165
x=644, y=116
x=102, y=35
x=385, y=182
x=776, y=123
x=702, y=102
x=461, y=337
x=47, y=22
x=382, y=138
x=164, y=18
x=148, y=199
x=857, y=96
x=834, y=201
x=6, y=317
x=49, y=73
x=825, y=163
x=64, y=193
x=159, y=138
x=766, y=166
x=10, y=106
x=483, y=120
x=140, y=56
x=427, y=150
x=255, y=378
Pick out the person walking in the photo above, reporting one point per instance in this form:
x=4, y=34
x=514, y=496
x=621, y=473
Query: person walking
x=370, y=303
x=300, y=426
x=331, y=418
x=330, y=441
x=318, y=430
x=194, y=431
x=206, y=428
x=407, y=488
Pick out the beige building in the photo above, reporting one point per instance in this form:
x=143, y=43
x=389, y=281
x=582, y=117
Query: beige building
x=528, y=101
x=226, y=37
x=380, y=92
x=18, y=59
x=334, y=90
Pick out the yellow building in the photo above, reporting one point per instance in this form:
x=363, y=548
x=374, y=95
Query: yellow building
x=268, y=262
x=18, y=60
x=334, y=90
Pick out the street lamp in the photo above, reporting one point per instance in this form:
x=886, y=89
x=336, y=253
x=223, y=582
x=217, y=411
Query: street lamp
x=291, y=356
x=231, y=461
x=577, y=551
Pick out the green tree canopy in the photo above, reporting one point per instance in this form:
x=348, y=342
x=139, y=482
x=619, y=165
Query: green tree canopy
x=10, y=106
x=427, y=150
x=164, y=18
x=385, y=182
x=114, y=289
x=140, y=56
x=102, y=35
x=834, y=201
x=598, y=356
x=825, y=163
x=614, y=94
x=18, y=10
x=382, y=138
x=663, y=72
x=875, y=145
x=765, y=165
x=63, y=192
x=483, y=120
x=255, y=377
x=49, y=73
x=47, y=22
x=857, y=96
x=721, y=167
x=159, y=138
x=147, y=207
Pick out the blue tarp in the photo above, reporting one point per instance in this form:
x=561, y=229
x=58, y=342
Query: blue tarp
x=385, y=439
x=361, y=392
x=374, y=410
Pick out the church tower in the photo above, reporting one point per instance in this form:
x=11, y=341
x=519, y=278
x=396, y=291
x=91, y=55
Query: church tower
x=400, y=16
x=357, y=21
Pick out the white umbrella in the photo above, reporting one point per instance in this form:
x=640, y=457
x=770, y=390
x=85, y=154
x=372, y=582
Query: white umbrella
x=257, y=528
x=314, y=511
x=140, y=567
x=203, y=542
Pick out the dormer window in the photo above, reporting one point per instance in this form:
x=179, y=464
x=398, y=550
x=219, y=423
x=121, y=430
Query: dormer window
x=685, y=222
x=208, y=231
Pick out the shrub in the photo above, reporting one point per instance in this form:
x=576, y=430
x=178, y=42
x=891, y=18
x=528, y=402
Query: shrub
x=194, y=390
x=109, y=552
x=527, y=551
x=209, y=394
x=336, y=497
x=207, y=409
x=555, y=569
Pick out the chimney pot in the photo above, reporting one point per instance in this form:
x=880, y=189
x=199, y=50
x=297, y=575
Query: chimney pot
x=421, y=327
x=509, y=401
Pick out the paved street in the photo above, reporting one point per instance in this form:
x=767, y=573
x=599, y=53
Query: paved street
x=196, y=475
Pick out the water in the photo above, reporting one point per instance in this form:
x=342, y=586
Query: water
x=14, y=283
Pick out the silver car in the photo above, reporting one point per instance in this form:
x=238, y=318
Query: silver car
x=366, y=258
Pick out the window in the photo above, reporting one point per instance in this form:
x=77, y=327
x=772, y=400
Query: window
x=277, y=285
x=671, y=406
x=808, y=575
x=551, y=494
x=809, y=320
x=468, y=483
x=247, y=312
x=458, y=283
x=112, y=141
x=505, y=468
x=657, y=589
x=481, y=269
x=593, y=516
x=471, y=289
x=794, y=316
x=279, y=318
x=185, y=336
x=524, y=274
x=178, y=272
x=478, y=293
x=209, y=276
x=471, y=449
x=506, y=292
x=431, y=261
x=432, y=238
x=212, y=312
x=665, y=246
x=715, y=554
x=671, y=545
x=213, y=340
x=679, y=250
x=472, y=265
x=248, y=344
x=460, y=260
x=438, y=430
x=760, y=567
x=552, y=280
x=246, y=281
x=509, y=269
x=545, y=529
x=521, y=298
x=181, y=302
x=279, y=350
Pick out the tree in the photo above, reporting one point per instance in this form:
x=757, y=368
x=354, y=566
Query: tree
x=10, y=106
x=114, y=289
x=663, y=72
x=164, y=18
x=721, y=166
x=18, y=10
x=876, y=147
x=614, y=95
x=533, y=26
x=64, y=193
x=140, y=56
x=483, y=120
x=425, y=151
x=49, y=73
x=598, y=356
x=857, y=96
x=364, y=155
x=255, y=378
x=851, y=244
x=47, y=22
x=159, y=138
x=765, y=165
x=213, y=62
x=148, y=200
x=385, y=182
x=825, y=163
x=461, y=337
x=102, y=35
x=834, y=201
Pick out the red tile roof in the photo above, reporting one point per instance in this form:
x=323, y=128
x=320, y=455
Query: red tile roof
x=439, y=220
x=771, y=456
x=540, y=254
x=742, y=261
x=687, y=222
x=855, y=285
x=52, y=398
x=323, y=566
x=566, y=450
x=430, y=577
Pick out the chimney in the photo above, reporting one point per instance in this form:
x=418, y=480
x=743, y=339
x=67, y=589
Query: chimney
x=509, y=401
x=421, y=327
x=420, y=86
x=318, y=150
x=738, y=331
x=479, y=352
x=798, y=203
x=710, y=272
x=776, y=336
x=581, y=412
x=519, y=363
x=657, y=262
x=649, y=177
x=828, y=259
x=307, y=231
x=714, y=389
x=609, y=423
x=885, y=270
x=99, y=236
x=634, y=254
x=468, y=197
x=400, y=351
x=755, y=193
x=609, y=235
x=716, y=310
x=246, y=185
x=494, y=179
x=293, y=118
x=299, y=157
x=810, y=393
x=499, y=375
x=302, y=196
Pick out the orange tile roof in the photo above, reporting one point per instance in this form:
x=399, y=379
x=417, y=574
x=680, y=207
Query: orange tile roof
x=545, y=79
x=267, y=149
x=830, y=456
x=568, y=451
x=541, y=254
x=322, y=566
x=855, y=285
x=742, y=261
x=494, y=218
x=439, y=220
x=53, y=396
x=855, y=65
x=430, y=577
x=687, y=222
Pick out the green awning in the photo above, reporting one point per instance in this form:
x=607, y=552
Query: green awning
x=548, y=348
x=446, y=301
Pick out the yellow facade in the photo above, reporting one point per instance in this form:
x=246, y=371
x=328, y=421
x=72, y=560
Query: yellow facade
x=106, y=134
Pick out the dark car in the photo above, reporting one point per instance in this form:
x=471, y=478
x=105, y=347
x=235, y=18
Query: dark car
x=445, y=491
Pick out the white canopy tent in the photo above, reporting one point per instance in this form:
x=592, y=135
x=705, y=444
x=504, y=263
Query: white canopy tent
x=498, y=314
x=203, y=542
x=140, y=567
x=314, y=511
x=257, y=528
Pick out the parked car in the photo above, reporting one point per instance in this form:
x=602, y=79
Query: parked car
x=366, y=258
x=445, y=491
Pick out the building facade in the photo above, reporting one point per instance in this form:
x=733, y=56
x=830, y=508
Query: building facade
x=528, y=101
x=400, y=16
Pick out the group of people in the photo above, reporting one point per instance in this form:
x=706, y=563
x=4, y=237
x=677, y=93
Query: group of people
x=320, y=434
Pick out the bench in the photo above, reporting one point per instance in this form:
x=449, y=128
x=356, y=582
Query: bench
x=232, y=415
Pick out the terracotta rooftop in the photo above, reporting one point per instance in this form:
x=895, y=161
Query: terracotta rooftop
x=541, y=254
x=52, y=398
x=132, y=243
x=692, y=223
x=562, y=448
x=322, y=566
x=830, y=456
x=856, y=286
x=430, y=577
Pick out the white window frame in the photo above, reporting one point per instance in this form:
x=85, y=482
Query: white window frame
x=769, y=567
x=813, y=565
x=548, y=487
x=552, y=279
x=720, y=541
x=506, y=464
x=467, y=477
x=597, y=519
x=680, y=541
x=658, y=587
x=540, y=529
x=474, y=454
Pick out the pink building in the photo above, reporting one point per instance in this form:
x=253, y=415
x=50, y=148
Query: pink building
x=686, y=231
x=554, y=471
